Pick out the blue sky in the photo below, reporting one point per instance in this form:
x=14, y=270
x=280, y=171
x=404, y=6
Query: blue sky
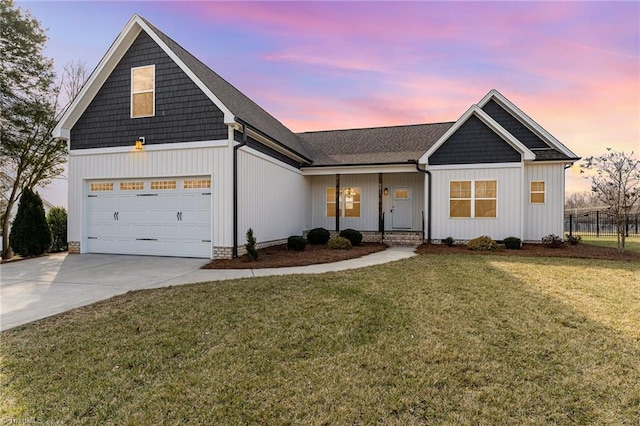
x=574, y=67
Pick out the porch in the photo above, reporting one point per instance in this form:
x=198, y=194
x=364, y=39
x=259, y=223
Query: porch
x=386, y=207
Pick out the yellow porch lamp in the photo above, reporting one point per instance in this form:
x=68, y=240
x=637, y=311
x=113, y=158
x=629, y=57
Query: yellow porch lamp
x=139, y=142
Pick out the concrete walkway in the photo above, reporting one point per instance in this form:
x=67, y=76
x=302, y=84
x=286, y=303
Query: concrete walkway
x=38, y=288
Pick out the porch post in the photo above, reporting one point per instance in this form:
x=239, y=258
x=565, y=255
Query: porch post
x=338, y=202
x=380, y=202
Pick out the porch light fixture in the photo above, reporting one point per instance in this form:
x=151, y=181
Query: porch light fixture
x=386, y=191
x=139, y=142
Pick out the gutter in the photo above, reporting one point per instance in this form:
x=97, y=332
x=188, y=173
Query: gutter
x=235, y=190
x=272, y=140
x=428, y=173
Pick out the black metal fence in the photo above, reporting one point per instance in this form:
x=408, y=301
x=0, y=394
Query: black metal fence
x=599, y=224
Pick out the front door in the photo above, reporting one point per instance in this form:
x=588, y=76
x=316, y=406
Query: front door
x=402, y=208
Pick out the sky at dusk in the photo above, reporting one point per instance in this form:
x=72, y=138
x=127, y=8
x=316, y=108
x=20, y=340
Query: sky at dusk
x=574, y=67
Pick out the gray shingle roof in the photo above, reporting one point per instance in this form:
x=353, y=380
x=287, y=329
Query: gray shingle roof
x=378, y=145
x=238, y=103
x=551, y=154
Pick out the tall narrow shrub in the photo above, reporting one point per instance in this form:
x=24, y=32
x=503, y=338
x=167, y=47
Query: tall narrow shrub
x=57, y=220
x=30, y=234
x=250, y=246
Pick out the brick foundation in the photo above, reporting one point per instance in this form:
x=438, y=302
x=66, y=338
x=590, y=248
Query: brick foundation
x=74, y=247
x=391, y=238
x=227, y=252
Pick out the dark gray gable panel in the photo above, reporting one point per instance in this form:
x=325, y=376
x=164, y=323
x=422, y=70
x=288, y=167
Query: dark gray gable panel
x=474, y=142
x=183, y=112
x=513, y=126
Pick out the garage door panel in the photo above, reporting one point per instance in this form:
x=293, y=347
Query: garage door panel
x=167, y=221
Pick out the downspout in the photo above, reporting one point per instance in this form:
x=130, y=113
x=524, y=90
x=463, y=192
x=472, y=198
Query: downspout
x=428, y=173
x=235, y=189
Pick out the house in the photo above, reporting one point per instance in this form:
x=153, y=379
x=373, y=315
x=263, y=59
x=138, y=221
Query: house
x=168, y=158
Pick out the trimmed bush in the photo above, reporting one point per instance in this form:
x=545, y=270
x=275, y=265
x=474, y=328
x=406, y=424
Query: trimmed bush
x=339, y=243
x=250, y=246
x=30, y=234
x=318, y=236
x=57, y=220
x=512, y=243
x=296, y=243
x=449, y=241
x=352, y=235
x=552, y=241
x=483, y=243
x=573, y=239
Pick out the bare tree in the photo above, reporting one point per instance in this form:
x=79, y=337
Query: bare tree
x=30, y=109
x=616, y=184
x=581, y=201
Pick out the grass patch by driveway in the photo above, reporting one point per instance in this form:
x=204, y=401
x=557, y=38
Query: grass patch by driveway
x=432, y=339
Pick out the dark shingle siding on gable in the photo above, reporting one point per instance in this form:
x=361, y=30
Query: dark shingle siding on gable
x=474, y=143
x=513, y=126
x=183, y=112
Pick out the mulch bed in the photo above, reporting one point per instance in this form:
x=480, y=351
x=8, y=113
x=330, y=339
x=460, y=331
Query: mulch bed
x=581, y=251
x=280, y=257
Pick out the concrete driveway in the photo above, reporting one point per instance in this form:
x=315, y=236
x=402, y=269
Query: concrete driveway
x=38, y=288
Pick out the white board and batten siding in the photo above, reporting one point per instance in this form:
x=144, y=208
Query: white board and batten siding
x=508, y=221
x=272, y=198
x=547, y=218
x=212, y=163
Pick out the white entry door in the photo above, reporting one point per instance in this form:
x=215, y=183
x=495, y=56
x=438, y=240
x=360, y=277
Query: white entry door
x=159, y=217
x=402, y=217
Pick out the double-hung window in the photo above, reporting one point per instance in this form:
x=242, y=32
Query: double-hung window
x=143, y=91
x=348, y=202
x=537, y=192
x=469, y=198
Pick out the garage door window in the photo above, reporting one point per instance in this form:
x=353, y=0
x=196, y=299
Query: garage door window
x=163, y=184
x=103, y=186
x=131, y=186
x=196, y=183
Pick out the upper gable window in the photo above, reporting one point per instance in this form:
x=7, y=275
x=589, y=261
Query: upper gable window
x=143, y=91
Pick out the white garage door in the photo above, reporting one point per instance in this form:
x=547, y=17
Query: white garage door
x=159, y=217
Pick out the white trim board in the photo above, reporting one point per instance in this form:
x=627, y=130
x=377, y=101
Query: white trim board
x=159, y=147
x=476, y=166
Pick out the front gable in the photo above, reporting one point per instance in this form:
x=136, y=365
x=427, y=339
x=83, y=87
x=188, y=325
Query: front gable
x=476, y=138
x=513, y=126
x=474, y=143
x=183, y=113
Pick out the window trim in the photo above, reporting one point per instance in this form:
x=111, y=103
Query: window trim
x=543, y=192
x=153, y=92
x=341, y=202
x=473, y=199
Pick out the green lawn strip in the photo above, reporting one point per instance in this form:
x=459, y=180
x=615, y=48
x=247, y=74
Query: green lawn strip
x=432, y=339
x=631, y=243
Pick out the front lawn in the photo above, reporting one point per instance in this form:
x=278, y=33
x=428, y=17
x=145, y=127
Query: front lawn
x=432, y=339
x=631, y=243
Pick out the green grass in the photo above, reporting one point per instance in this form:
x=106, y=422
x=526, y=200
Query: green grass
x=444, y=339
x=631, y=243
